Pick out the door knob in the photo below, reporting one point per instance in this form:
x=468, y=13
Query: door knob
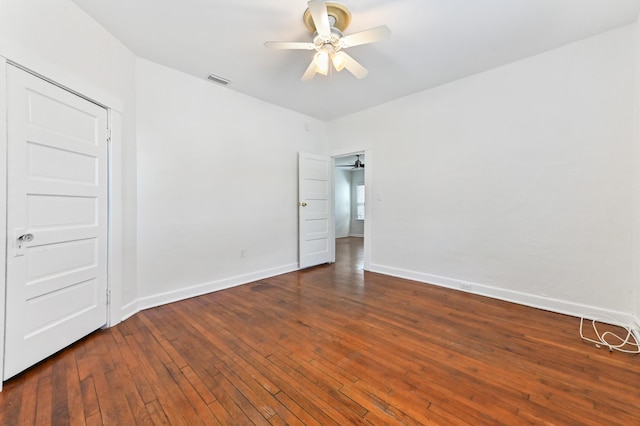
x=26, y=237
x=303, y=204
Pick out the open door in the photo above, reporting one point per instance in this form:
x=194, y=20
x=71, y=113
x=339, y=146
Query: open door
x=315, y=207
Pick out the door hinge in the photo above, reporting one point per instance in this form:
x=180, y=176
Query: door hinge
x=108, y=297
x=109, y=135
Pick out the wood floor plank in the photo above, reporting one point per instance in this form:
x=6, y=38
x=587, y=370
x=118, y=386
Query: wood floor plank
x=94, y=420
x=156, y=413
x=22, y=410
x=232, y=395
x=137, y=368
x=297, y=410
x=199, y=385
x=90, y=403
x=227, y=402
x=59, y=403
x=200, y=407
x=74, y=407
x=221, y=414
x=44, y=410
x=137, y=406
x=331, y=345
x=114, y=409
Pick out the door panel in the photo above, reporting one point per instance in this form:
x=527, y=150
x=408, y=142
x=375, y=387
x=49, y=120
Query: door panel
x=47, y=211
x=316, y=244
x=55, y=164
x=57, y=194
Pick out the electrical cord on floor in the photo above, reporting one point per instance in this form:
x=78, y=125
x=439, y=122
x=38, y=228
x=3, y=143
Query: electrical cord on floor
x=610, y=339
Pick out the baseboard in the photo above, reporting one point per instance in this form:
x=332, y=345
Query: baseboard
x=635, y=328
x=200, y=289
x=357, y=235
x=527, y=299
x=535, y=301
x=129, y=310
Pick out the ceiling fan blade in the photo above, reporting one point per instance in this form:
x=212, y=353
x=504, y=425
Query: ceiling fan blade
x=296, y=45
x=320, y=17
x=354, y=67
x=367, y=36
x=310, y=72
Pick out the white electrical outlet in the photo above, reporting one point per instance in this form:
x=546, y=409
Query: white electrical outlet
x=242, y=253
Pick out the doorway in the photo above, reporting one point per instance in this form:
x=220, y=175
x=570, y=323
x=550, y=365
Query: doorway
x=350, y=201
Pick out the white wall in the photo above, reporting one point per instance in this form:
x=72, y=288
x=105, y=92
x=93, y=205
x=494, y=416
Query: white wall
x=515, y=183
x=217, y=174
x=342, y=186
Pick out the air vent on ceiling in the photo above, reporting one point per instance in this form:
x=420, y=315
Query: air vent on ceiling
x=218, y=79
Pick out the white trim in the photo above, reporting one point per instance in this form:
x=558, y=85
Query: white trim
x=527, y=299
x=368, y=210
x=635, y=234
x=115, y=260
x=129, y=310
x=635, y=329
x=3, y=211
x=200, y=289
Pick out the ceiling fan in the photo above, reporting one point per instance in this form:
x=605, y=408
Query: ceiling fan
x=326, y=21
x=357, y=165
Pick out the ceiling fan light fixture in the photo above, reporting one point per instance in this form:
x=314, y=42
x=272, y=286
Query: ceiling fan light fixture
x=321, y=59
x=339, y=60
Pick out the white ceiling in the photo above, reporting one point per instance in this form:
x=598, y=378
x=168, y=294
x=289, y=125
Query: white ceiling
x=432, y=42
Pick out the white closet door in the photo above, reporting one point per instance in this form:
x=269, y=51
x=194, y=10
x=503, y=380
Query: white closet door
x=56, y=219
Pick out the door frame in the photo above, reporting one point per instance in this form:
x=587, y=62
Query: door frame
x=114, y=203
x=368, y=196
x=3, y=212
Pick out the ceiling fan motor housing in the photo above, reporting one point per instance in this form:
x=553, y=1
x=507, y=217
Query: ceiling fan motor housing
x=334, y=39
x=339, y=17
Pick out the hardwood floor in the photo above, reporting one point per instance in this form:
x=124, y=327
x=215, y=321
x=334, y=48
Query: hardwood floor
x=331, y=345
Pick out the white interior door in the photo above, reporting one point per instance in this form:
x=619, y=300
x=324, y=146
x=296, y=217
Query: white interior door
x=317, y=240
x=56, y=219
